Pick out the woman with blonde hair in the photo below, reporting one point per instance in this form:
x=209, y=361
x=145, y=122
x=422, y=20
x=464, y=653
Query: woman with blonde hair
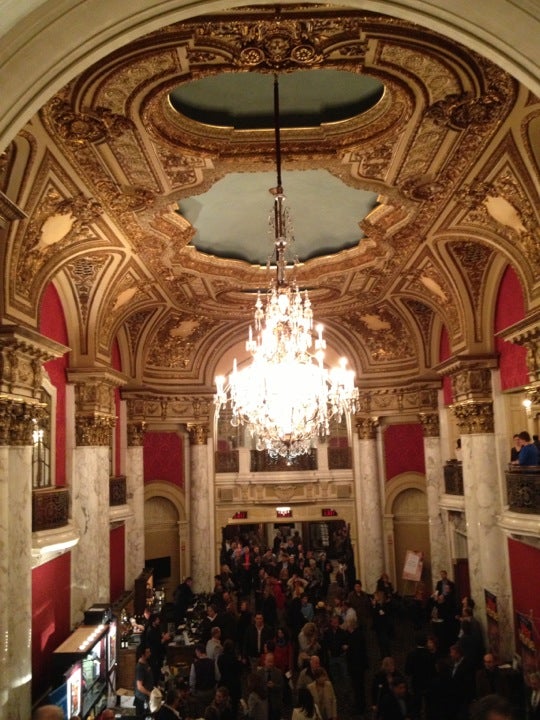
x=308, y=644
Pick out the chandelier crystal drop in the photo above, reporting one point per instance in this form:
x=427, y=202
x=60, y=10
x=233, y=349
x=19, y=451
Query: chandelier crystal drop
x=285, y=396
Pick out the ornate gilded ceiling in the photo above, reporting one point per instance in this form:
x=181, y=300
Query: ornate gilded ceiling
x=450, y=150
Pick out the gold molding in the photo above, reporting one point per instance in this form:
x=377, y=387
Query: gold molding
x=367, y=427
x=430, y=424
x=94, y=430
x=474, y=417
x=198, y=434
x=17, y=417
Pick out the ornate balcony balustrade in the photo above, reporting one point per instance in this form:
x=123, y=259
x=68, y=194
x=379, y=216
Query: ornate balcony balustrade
x=523, y=488
x=50, y=508
x=117, y=491
x=453, y=478
x=226, y=461
x=262, y=462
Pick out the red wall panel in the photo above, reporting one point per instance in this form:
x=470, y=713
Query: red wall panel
x=510, y=309
x=525, y=578
x=117, y=562
x=52, y=324
x=51, y=601
x=163, y=457
x=404, y=449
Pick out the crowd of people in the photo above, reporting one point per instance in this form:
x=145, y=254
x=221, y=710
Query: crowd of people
x=298, y=641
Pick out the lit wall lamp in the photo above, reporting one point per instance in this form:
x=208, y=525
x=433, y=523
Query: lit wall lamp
x=527, y=403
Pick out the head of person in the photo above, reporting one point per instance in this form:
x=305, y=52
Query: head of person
x=269, y=660
x=455, y=653
x=309, y=630
x=255, y=683
x=155, y=620
x=200, y=650
x=306, y=702
x=215, y=633
x=143, y=652
x=444, y=575
x=222, y=695
x=259, y=620
x=388, y=665
x=524, y=437
x=334, y=622
x=314, y=663
x=107, y=714
x=358, y=586
x=432, y=643
x=48, y=712
x=491, y=707
x=534, y=680
x=489, y=661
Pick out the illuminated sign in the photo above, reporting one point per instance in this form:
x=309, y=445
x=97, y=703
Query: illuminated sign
x=329, y=512
x=240, y=515
x=283, y=512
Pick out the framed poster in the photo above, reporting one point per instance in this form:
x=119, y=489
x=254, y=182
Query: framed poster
x=414, y=563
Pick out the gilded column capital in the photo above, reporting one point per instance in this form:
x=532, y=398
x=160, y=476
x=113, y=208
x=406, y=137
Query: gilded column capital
x=198, y=433
x=470, y=377
x=474, y=417
x=18, y=420
x=367, y=427
x=94, y=430
x=135, y=433
x=430, y=423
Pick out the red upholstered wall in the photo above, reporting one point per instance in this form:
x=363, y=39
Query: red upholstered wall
x=404, y=449
x=525, y=578
x=117, y=562
x=52, y=324
x=444, y=354
x=510, y=309
x=51, y=600
x=163, y=458
x=116, y=362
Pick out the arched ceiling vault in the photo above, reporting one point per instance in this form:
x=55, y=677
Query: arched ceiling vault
x=447, y=151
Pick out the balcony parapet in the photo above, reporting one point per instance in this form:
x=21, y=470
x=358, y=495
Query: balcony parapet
x=523, y=488
x=50, y=508
x=453, y=478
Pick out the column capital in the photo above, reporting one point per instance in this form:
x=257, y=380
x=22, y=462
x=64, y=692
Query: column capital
x=474, y=416
x=367, y=427
x=470, y=376
x=95, y=413
x=430, y=423
x=17, y=420
x=135, y=433
x=94, y=430
x=198, y=433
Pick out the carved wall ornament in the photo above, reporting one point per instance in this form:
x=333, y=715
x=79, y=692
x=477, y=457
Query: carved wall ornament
x=461, y=110
x=430, y=424
x=135, y=433
x=282, y=493
x=471, y=383
x=173, y=344
x=198, y=433
x=423, y=187
x=474, y=417
x=93, y=126
x=84, y=272
x=386, y=336
x=474, y=259
x=94, y=430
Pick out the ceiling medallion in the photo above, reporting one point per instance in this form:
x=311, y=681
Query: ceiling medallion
x=285, y=396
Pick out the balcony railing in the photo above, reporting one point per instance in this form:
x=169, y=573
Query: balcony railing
x=523, y=488
x=50, y=508
x=262, y=462
x=453, y=478
x=226, y=461
x=117, y=491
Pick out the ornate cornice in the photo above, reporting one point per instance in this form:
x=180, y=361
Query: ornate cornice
x=94, y=390
x=198, y=434
x=17, y=420
x=22, y=354
x=135, y=433
x=367, y=427
x=474, y=417
x=9, y=211
x=399, y=400
x=430, y=424
x=94, y=430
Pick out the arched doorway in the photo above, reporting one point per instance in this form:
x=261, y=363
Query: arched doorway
x=165, y=535
x=407, y=527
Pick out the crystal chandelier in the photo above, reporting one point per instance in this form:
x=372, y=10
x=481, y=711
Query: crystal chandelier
x=285, y=396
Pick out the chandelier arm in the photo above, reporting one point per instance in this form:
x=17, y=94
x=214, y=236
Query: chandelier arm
x=277, y=133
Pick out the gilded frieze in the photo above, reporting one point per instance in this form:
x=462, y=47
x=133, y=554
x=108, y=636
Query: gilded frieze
x=16, y=421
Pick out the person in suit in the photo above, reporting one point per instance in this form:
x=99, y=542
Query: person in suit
x=255, y=640
x=323, y=694
x=533, y=696
x=461, y=683
x=169, y=709
x=274, y=681
x=395, y=705
x=490, y=680
x=491, y=707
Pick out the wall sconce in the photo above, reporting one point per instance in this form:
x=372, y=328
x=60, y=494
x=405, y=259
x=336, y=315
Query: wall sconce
x=527, y=403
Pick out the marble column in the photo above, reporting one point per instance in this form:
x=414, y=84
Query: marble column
x=440, y=559
x=368, y=502
x=135, y=558
x=22, y=354
x=486, y=543
x=201, y=509
x=89, y=481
